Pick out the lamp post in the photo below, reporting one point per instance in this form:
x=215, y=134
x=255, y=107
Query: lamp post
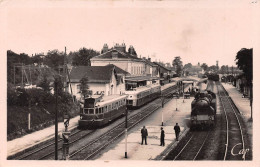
x=162, y=98
x=176, y=104
x=29, y=115
x=126, y=133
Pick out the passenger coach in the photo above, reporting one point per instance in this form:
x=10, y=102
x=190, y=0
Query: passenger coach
x=142, y=95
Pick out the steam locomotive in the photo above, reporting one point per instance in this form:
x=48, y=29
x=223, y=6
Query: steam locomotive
x=203, y=110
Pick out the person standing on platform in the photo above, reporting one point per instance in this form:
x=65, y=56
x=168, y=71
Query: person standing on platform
x=177, y=131
x=144, y=134
x=162, y=137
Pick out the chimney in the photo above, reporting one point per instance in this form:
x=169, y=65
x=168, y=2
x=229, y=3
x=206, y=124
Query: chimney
x=105, y=48
x=121, y=48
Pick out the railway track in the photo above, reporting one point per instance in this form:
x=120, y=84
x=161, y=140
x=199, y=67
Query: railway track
x=235, y=148
x=92, y=148
x=40, y=153
x=96, y=145
x=192, y=145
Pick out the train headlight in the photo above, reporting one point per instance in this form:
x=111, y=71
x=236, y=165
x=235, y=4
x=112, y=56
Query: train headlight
x=194, y=118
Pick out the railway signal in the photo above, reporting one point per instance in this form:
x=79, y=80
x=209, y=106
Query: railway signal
x=66, y=121
x=65, y=146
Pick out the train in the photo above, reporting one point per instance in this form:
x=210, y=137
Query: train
x=142, y=95
x=99, y=110
x=203, y=110
x=213, y=76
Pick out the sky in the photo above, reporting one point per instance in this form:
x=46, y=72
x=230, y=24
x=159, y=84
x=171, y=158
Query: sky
x=196, y=31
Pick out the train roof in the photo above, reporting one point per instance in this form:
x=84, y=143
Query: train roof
x=142, y=89
x=108, y=99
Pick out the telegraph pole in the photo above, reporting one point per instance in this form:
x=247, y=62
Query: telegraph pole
x=56, y=119
x=14, y=75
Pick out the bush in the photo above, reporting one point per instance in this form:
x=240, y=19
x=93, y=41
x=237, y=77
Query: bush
x=42, y=108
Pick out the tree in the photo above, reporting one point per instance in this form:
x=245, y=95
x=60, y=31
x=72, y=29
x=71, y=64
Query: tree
x=224, y=69
x=54, y=59
x=83, y=56
x=13, y=58
x=187, y=66
x=37, y=59
x=205, y=67
x=84, y=86
x=132, y=51
x=213, y=68
x=177, y=64
x=244, y=61
x=44, y=83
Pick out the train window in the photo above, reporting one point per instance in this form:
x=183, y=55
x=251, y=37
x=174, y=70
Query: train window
x=99, y=111
x=85, y=111
x=96, y=111
x=91, y=111
x=102, y=109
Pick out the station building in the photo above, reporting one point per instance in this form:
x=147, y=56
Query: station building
x=142, y=71
x=102, y=80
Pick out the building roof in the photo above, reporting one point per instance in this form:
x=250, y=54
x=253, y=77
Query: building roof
x=95, y=74
x=161, y=66
x=149, y=63
x=120, y=55
x=119, y=70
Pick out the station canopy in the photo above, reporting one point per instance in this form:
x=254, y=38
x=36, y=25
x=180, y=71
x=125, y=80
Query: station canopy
x=188, y=79
x=187, y=82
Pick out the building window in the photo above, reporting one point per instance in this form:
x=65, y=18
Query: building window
x=78, y=88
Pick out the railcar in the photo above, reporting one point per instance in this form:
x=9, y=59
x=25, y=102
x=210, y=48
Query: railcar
x=98, y=111
x=142, y=95
x=223, y=79
x=213, y=77
x=203, y=110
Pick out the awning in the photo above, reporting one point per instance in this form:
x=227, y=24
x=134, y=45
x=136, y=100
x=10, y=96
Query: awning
x=188, y=82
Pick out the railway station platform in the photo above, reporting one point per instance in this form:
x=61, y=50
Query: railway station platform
x=243, y=104
x=136, y=151
x=32, y=139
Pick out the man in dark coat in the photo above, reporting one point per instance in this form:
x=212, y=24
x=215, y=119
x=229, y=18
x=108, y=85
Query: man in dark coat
x=144, y=133
x=162, y=137
x=177, y=131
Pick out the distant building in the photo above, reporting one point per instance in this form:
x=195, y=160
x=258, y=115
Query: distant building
x=120, y=58
x=101, y=80
x=194, y=70
x=151, y=69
